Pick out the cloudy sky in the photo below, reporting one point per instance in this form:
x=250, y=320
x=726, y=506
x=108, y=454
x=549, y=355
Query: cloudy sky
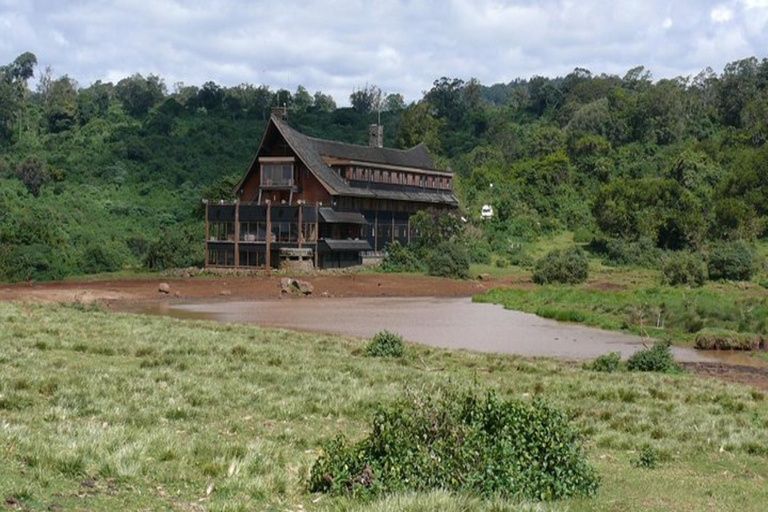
x=400, y=45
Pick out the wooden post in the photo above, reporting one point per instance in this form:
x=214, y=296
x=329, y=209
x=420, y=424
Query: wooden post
x=207, y=234
x=317, y=235
x=301, y=230
x=393, y=226
x=376, y=232
x=409, y=230
x=237, y=234
x=268, y=254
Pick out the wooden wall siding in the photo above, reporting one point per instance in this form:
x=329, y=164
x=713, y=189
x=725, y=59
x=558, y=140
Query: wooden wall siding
x=390, y=177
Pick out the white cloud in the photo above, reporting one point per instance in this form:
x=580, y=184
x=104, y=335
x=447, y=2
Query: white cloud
x=721, y=14
x=400, y=45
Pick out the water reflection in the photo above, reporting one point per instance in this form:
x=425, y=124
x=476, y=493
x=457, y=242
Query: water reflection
x=447, y=323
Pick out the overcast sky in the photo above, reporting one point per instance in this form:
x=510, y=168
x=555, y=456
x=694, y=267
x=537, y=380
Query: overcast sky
x=400, y=45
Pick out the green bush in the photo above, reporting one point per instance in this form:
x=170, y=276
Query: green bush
x=448, y=259
x=725, y=339
x=400, y=259
x=684, y=269
x=647, y=458
x=618, y=251
x=460, y=442
x=730, y=261
x=519, y=255
x=385, y=344
x=658, y=358
x=562, y=266
x=480, y=253
x=607, y=363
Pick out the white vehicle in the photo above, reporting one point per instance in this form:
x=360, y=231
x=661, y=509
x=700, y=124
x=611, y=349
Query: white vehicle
x=486, y=212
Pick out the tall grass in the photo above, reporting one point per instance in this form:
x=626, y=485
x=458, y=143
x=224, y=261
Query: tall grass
x=654, y=310
x=100, y=411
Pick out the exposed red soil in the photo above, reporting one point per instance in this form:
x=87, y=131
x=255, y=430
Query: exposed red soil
x=238, y=287
x=122, y=292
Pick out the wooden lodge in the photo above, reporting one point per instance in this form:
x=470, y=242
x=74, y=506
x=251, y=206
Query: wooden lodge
x=322, y=203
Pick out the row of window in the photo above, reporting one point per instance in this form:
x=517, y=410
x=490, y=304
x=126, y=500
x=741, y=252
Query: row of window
x=257, y=231
x=397, y=178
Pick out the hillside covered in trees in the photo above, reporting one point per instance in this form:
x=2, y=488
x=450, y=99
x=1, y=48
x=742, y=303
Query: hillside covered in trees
x=111, y=176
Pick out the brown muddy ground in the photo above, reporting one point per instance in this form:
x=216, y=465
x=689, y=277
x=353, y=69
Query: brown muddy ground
x=251, y=287
x=123, y=293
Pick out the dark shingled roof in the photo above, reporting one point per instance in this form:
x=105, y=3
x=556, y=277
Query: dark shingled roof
x=331, y=216
x=311, y=151
x=347, y=245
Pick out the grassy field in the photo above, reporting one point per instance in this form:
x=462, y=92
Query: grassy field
x=104, y=411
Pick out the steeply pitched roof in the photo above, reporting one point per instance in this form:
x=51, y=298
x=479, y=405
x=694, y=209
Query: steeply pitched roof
x=312, y=152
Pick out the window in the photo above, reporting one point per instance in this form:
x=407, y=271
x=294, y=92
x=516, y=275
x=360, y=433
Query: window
x=277, y=175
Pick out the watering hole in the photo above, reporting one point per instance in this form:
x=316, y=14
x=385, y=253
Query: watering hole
x=454, y=323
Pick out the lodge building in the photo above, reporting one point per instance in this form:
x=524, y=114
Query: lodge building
x=327, y=203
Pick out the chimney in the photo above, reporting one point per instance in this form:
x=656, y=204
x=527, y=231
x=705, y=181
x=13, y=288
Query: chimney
x=280, y=113
x=376, y=136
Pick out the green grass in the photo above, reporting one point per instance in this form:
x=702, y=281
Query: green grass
x=104, y=411
x=658, y=311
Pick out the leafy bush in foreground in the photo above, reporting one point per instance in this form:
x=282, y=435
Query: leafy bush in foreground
x=449, y=259
x=568, y=266
x=658, y=358
x=731, y=261
x=607, y=363
x=684, y=269
x=460, y=442
x=385, y=344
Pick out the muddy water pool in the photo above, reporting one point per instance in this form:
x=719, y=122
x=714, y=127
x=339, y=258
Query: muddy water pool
x=455, y=323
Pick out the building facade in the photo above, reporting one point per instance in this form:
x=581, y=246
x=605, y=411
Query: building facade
x=330, y=203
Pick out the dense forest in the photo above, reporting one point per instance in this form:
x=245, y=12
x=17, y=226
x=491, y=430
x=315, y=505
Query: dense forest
x=111, y=176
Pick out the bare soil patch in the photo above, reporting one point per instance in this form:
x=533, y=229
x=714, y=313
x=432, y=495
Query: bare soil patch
x=237, y=287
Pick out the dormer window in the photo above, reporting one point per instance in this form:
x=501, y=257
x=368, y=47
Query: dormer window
x=277, y=171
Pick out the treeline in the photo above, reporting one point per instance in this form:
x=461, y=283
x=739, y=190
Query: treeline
x=111, y=176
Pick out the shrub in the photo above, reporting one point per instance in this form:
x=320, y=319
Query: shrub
x=385, y=344
x=684, y=269
x=730, y=261
x=480, y=252
x=647, y=458
x=658, y=358
x=607, y=363
x=724, y=339
x=618, y=251
x=400, y=259
x=448, y=259
x=520, y=256
x=460, y=442
x=562, y=266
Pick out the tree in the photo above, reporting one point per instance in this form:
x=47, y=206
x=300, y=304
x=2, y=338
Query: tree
x=302, y=100
x=33, y=173
x=366, y=100
x=139, y=94
x=394, y=103
x=324, y=102
x=60, y=108
x=210, y=96
x=417, y=125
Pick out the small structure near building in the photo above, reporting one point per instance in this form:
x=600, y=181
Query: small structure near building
x=486, y=212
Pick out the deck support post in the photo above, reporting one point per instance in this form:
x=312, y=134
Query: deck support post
x=268, y=254
x=207, y=233
x=237, y=235
x=301, y=226
x=317, y=236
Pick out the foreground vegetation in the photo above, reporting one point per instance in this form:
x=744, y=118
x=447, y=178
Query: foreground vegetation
x=119, y=412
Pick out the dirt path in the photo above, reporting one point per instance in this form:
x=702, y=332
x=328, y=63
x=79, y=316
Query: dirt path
x=246, y=288
x=120, y=293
